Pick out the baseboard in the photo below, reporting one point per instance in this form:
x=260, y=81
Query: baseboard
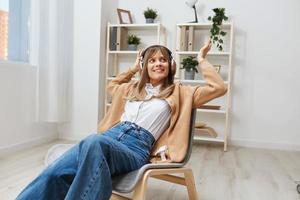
x=7, y=150
x=265, y=145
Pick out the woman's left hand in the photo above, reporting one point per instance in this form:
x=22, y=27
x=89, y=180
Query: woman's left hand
x=203, y=51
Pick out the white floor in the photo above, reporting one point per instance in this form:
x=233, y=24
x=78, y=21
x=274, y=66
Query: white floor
x=239, y=174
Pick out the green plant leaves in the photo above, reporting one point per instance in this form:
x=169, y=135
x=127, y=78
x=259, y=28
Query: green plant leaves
x=150, y=13
x=223, y=33
x=133, y=39
x=189, y=63
x=215, y=32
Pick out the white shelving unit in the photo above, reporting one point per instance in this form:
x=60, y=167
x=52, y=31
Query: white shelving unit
x=190, y=37
x=118, y=58
x=196, y=52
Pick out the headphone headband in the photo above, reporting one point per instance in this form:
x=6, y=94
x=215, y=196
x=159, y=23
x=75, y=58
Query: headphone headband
x=157, y=45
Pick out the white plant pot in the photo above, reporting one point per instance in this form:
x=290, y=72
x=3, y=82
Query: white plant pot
x=189, y=75
x=132, y=47
x=149, y=20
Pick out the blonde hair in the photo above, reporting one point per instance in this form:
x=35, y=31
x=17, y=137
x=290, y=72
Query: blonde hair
x=136, y=94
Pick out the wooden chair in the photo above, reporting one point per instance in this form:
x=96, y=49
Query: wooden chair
x=137, y=180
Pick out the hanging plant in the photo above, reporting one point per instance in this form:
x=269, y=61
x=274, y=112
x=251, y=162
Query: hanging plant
x=216, y=34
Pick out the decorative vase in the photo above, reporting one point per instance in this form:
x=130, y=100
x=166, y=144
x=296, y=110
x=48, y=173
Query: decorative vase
x=132, y=47
x=189, y=75
x=149, y=20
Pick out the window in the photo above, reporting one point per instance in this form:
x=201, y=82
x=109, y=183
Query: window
x=14, y=30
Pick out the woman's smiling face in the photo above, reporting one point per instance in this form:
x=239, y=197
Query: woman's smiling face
x=158, y=68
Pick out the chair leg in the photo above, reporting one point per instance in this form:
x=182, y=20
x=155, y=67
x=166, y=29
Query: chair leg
x=190, y=184
x=140, y=190
x=188, y=181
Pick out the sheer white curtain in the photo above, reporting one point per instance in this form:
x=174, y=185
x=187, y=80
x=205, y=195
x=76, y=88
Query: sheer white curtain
x=54, y=59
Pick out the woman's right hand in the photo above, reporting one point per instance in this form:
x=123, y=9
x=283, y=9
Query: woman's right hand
x=136, y=67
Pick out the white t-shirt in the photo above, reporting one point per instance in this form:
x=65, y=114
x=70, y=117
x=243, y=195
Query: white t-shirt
x=153, y=115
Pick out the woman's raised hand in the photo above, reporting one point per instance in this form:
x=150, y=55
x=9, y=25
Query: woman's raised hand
x=136, y=67
x=203, y=51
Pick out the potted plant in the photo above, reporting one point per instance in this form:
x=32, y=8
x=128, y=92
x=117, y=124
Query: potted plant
x=150, y=15
x=189, y=64
x=133, y=41
x=216, y=34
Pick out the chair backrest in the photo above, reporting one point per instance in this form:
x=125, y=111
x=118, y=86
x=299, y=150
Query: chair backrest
x=191, y=136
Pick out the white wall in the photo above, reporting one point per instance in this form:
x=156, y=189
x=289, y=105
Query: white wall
x=85, y=78
x=265, y=104
x=18, y=126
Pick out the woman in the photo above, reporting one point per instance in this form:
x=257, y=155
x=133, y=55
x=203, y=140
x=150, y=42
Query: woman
x=145, y=116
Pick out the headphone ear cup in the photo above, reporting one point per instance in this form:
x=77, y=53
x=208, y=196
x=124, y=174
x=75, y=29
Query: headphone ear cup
x=141, y=63
x=141, y=66
x=173, y=67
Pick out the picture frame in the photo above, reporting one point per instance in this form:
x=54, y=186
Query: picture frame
x=124, y=16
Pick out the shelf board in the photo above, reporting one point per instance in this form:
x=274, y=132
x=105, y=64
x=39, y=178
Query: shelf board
x=207, y=25
x=137, y=26
x=195, y=81
x=221, y=111
x=208, y=139
x=196, y=53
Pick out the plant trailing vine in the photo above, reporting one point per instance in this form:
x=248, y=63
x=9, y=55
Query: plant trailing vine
x=216, y=34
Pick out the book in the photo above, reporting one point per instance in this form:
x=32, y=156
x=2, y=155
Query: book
x=213, y=107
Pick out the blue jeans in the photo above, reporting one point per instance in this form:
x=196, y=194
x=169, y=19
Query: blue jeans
x=85, y=171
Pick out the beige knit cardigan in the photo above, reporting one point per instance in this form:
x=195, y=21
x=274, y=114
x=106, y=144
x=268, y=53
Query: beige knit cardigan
x=181, y=101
